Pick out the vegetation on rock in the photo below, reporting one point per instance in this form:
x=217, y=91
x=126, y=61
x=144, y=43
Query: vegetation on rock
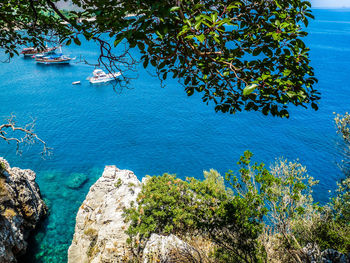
x=343, y=128
x=252, y=215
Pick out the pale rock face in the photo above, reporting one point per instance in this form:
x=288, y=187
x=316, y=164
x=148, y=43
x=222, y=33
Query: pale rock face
x=21, y=209
x=100, y=227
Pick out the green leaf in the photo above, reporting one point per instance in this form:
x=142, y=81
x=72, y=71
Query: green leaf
x=175, y=8
x=287, y=72
x=189, y=37
x=117, y=41
x=140, y=45
x=200, y=38
x=314, y=106
x=214, y=17
x=309, y=15
x=198, y=24
x=266, y=110
x=217, y=40
x=249, y=89
x=256, y=51
x=190, y=91
x=77, y=41
x=145, y=63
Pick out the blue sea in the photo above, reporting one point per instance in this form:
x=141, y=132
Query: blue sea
x=151, y=130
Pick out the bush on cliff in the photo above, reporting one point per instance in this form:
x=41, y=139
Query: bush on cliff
x=208, y=208
x=342, y=123
x=253, y=215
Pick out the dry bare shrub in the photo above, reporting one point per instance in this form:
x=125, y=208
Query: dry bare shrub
x=200, y=250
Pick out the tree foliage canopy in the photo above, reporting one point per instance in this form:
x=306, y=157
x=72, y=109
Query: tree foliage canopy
x=241, y=55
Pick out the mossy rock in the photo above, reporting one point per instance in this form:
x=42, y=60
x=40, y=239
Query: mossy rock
x=3, y=188
x=2, y=170
x=76, y=180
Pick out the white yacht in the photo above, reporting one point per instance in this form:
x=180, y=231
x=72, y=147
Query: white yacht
x=99, y=76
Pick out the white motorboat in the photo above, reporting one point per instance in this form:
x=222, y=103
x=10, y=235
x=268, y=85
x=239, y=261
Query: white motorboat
x=99, y=76
x=76, y=82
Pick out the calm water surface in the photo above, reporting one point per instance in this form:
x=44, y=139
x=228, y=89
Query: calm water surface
x=151, y=130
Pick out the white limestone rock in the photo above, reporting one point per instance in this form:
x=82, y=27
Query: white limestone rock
x=100, y=227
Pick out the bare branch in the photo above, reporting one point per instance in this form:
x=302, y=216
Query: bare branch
x=11, y=132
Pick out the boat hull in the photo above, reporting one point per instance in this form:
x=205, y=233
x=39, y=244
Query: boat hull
x=28, y=54
x=33, y=52
x=52, y=62
x=101, y=81
x=110, y=77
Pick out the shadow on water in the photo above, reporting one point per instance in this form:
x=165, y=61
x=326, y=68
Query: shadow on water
x=116, y=85
x=112, y=83
x=34, y=243
x=65, y=65
x=28, y=58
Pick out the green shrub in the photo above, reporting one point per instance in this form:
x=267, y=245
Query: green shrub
x=118, y=183
x=341, y=203
x=253, y=215
x=342, y=123
x=2, y=168
x=231, y=217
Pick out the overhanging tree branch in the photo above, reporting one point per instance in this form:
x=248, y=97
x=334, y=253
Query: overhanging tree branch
x=10, y=131
x=241, y=55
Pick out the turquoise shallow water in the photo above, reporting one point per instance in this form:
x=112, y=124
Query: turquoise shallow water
x=151, y=130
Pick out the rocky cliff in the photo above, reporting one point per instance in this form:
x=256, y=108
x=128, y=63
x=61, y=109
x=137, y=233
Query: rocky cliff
x=21, y=209
x=100, y=228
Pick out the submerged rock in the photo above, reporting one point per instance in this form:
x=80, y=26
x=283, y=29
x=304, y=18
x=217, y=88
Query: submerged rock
x=21, y=209
x=76, y=180
x=100, y=229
